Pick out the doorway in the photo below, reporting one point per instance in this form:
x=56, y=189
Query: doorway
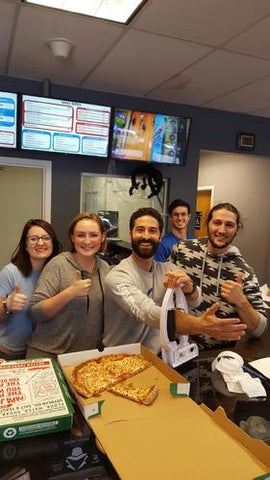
x=25, y=192
x=203, y=205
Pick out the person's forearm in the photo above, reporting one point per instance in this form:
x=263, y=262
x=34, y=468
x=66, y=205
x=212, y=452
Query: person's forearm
x=248, y=315
x=194, y=298
x=51, y=306
x=186, y=324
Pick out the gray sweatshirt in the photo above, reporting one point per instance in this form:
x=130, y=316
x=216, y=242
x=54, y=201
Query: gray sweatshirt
x=133, y=299
x=73, y=328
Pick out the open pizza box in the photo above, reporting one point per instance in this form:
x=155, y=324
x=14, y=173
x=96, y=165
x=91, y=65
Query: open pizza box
x=173, y=436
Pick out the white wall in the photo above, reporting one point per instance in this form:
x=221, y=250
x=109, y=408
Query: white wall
x=20, y=200
x=243, y=180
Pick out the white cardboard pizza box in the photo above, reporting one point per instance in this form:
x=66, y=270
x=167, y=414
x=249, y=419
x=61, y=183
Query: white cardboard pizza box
x=34, y=399
x=163, y=439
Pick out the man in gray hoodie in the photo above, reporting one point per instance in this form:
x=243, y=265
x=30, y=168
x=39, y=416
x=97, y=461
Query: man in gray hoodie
x=135, y=288
x=222, y=274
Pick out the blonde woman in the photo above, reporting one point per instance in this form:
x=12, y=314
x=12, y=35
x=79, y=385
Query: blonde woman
x=67, y=306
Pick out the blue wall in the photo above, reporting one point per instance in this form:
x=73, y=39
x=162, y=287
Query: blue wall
x=210, y=130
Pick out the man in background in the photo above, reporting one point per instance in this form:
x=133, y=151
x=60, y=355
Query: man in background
x=134, y=291
x=221, y=272
x=179, y=215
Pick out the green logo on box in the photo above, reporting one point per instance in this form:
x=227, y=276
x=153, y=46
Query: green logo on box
x=10, y=432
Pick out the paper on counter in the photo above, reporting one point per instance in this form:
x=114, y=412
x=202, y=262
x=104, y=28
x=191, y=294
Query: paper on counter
x=262, y=365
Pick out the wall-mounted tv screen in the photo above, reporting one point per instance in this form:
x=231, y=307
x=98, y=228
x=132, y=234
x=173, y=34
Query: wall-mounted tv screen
x=8, y=119
x=63, y=126
x=149, y=137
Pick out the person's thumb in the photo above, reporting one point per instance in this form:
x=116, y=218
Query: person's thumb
x=17, y=288
x=78, y=275
x=212, y=310
x=239, y=278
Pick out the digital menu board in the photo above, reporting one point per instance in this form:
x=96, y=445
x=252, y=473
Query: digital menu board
x=149, y=137
x=64, y=126
x=8, y=119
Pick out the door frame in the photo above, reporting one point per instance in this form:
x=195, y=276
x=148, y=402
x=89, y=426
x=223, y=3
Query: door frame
x=46, y=167
x=209, y=187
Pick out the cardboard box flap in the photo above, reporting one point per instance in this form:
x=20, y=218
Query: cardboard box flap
x=73, y=358
x=166, y=446
x=256, y=446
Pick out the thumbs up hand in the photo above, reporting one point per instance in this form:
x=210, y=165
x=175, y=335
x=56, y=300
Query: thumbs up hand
x=80, y=287
x=239, y=278
x=16, y=301
x=232, y=291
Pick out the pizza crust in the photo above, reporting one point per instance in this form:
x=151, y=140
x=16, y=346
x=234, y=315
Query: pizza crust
x=139, y=394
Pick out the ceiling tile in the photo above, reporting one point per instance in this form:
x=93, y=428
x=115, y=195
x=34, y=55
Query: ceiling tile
x=215, y=75
x=249, y=99
x=255, y=41
x=141, y=61
x=205, y=21
x=32, y=58
x=212, y=53
x=7, y=11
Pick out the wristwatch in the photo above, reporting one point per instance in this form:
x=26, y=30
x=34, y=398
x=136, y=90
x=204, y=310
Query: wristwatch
x=7, y=311
x=194, y=286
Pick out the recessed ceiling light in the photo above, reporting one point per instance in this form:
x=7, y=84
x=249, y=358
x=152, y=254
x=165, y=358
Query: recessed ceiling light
x=115, y=10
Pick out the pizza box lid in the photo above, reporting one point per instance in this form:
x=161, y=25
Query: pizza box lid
x=160, y=440
x=34, y=399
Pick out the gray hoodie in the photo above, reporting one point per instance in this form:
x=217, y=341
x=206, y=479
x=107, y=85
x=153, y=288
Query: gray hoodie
x=75, y=327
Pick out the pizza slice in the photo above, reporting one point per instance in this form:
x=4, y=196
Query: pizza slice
x=139, y=394
x=126, y=367
x=89, y=378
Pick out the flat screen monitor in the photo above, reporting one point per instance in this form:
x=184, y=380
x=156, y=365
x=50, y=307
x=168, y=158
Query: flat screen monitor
x=8, y=119
x=63, y=126
x=149, y=137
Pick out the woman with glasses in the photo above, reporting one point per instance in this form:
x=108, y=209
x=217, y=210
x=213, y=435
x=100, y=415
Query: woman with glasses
x=67, y=306
x=37, y=245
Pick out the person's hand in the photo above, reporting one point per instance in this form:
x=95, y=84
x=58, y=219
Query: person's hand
x=229, y=329
x=16, y=301
x=177, y=278
x=80, y=288
x=233, y=291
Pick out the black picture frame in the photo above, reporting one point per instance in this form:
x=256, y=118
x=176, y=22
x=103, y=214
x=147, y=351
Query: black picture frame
x=245, y=141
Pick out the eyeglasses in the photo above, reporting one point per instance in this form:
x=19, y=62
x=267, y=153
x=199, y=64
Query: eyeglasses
x=180, y=214
x=35, y=238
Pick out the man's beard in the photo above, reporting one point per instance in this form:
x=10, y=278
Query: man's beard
x=220, y=247
x=144, y=253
